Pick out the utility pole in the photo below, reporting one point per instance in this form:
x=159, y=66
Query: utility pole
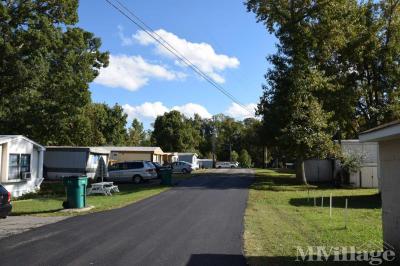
x=214, y=135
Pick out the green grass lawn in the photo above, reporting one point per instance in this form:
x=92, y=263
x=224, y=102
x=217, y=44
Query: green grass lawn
x=281, y=215
x=48, y=201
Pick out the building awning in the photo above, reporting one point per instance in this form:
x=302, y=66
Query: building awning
x=95, y=150
x=383, y=132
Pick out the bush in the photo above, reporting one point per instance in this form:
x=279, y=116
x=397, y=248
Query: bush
x=351, y=163
x=245, y=159
x=234, y=156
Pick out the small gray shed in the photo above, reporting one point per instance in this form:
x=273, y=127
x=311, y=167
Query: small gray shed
x=205, y=163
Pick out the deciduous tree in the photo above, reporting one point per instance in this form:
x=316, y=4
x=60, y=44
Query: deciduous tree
x=46, y=64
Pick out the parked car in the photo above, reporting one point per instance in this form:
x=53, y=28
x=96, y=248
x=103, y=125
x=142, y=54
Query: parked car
x=158, y=167
x=135, y=171
x=5, y=202
x=227, y=164
x=181, y=167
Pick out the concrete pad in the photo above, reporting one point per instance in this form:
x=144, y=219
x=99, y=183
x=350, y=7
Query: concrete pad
x=88, y=208
x=17, y=224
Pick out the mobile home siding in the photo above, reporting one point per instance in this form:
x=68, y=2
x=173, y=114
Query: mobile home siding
x=389, y=153
x=74, y=161
x=65, y=163
x=22, y=146
x=120, y=156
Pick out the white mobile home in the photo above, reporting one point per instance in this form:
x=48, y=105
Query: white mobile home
x=75, y=161
x=388, y=137
x=189, y=157
x=21, y=164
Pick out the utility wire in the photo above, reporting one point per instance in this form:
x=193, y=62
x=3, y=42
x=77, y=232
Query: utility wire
x=149, y=31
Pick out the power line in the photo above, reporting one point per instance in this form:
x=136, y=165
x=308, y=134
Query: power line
x=177, y=54
x=149, y=31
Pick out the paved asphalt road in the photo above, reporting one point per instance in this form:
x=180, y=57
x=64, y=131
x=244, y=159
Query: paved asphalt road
x=199, y=222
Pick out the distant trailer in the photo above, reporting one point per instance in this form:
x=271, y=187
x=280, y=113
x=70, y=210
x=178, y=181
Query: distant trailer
x=75, y=161
x=135, y=153
x=189, y=157
x=205, y=163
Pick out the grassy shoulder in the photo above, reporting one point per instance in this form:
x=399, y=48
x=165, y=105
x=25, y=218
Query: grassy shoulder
x=48, y=201
x=281, y=216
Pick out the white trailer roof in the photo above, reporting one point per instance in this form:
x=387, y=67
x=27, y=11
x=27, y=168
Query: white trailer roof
x=8, y=138
x=157, y=150
x=97, y=150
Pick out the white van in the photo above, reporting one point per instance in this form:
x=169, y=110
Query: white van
x=135, y=171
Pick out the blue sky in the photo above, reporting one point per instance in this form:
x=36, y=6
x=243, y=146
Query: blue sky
x=219, y=37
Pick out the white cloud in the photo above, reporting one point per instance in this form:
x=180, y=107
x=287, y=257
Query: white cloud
x=133, y=72
x=190, y=109
x=150, y=110
x=126, y=41
x=201, y=54
x=145, y=110
x=238, y=112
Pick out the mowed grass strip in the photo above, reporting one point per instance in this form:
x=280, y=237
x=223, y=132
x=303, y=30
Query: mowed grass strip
x=281, y=216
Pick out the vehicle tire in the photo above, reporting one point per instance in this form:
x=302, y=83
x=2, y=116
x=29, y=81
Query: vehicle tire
x=219, y=167
x=137, y=179
x=232, y=166
x=185, y=171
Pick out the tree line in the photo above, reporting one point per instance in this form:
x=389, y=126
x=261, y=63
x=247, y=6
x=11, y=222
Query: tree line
x=336, y=73
x=227, y=138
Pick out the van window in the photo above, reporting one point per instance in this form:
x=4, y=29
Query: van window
x=134, y=165
x=150, y=165
x=114, y=167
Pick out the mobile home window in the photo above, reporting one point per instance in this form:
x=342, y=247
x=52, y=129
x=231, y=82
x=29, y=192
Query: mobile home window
x=13, y=167
x=18, y=165
x=25, y=163
x=95, y=158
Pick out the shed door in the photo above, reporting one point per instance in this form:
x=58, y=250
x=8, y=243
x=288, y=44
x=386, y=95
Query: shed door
x=369, y=177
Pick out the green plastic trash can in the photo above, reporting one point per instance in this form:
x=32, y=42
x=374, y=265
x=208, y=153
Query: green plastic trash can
x=76, y=191
x=166, y=176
